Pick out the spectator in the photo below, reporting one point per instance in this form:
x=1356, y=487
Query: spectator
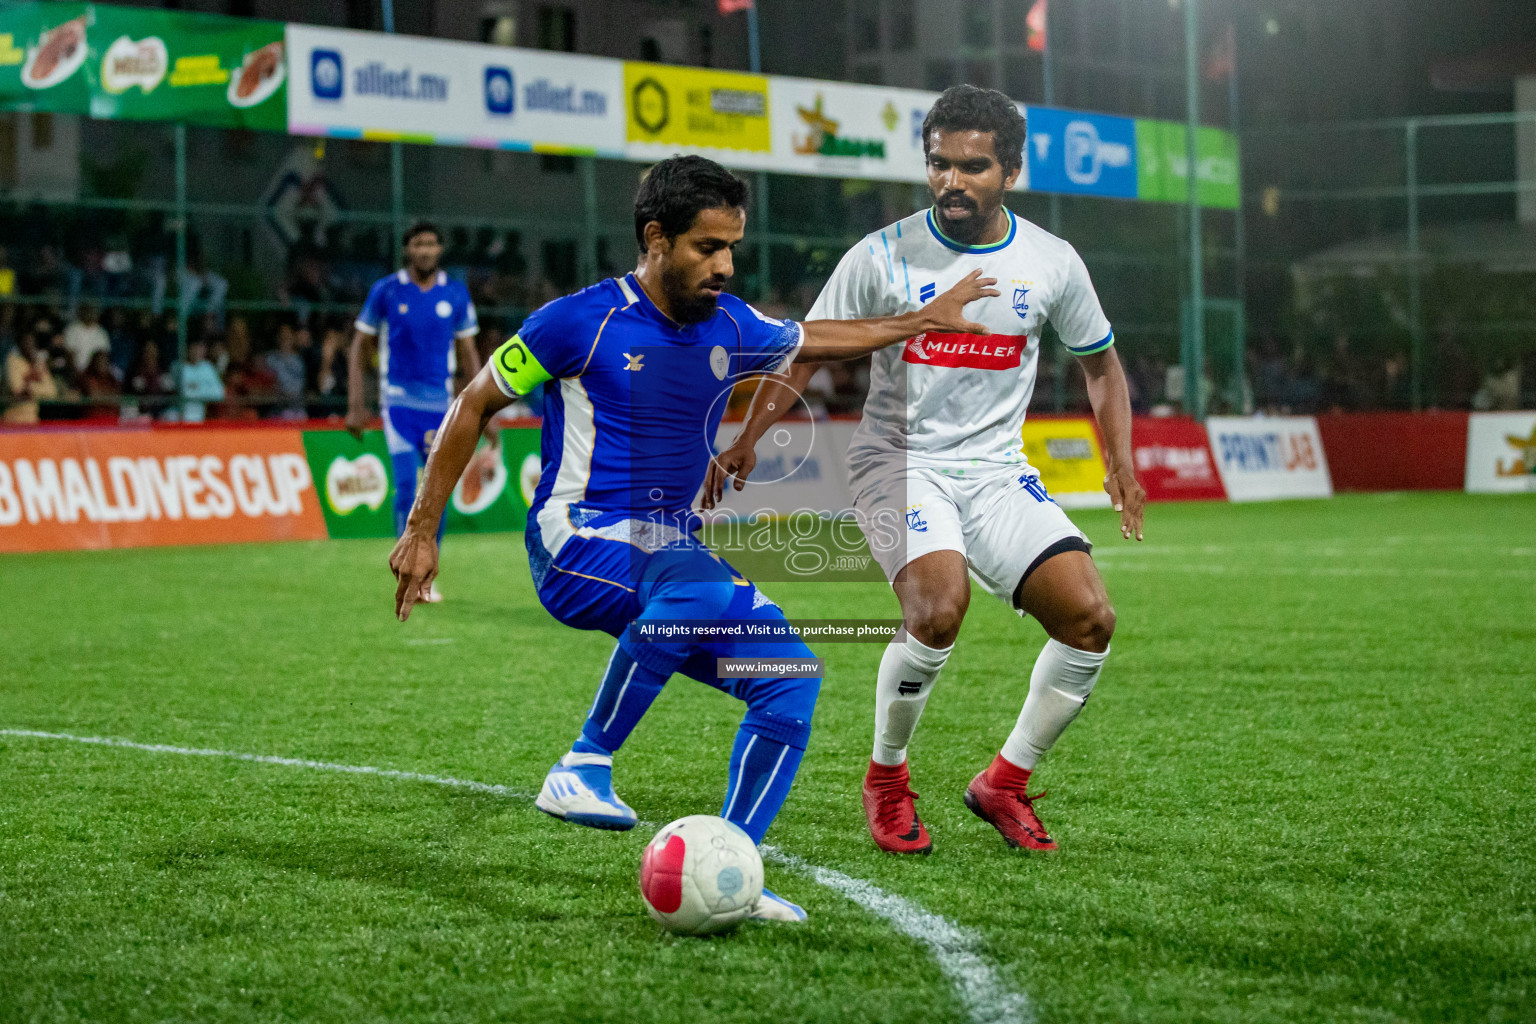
x=61, y=361
x=29, y=379
x=287, y=369
x=331, y=380
x=245, y=379
x=198, y=280
x=148, y=378
x=85, y=336
x=100, y=381
x=122, y=341
x=197, y=382
x=1501, y=388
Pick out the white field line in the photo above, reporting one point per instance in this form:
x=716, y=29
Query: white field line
x=1324, y=570
x=986, y=998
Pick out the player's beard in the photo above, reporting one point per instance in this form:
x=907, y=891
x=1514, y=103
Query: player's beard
x=689, y=306
x=966, y=231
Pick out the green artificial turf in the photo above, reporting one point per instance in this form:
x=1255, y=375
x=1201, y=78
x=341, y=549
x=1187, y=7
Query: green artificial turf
x=1301, y=792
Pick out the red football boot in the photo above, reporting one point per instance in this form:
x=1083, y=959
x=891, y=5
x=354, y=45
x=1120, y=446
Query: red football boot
x=888, y=807
x=997, y=797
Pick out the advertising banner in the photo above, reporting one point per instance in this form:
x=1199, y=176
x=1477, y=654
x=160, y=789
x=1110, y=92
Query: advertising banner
x=43, y=53
x=855, y=131
x=1501, y=453
x=1173, y=460
x=1081, y=154
x=356, y=484
x=369, y=85
x=801, y=467
x=668, y=108
x=1162, y=164
x=114, y=489
x=1071, y=464
x=157, y=66
x=138, y=64
x=1270, y=458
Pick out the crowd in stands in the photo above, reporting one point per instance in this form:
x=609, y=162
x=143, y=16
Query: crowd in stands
x=89, y=330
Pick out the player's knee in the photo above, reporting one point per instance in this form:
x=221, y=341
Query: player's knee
x=934, y=619
x=1091, y=627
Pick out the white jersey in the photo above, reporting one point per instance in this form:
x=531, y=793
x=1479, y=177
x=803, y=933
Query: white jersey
x=945, y=399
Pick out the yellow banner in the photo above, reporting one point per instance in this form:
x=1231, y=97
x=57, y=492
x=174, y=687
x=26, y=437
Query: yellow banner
x=1066, y=452
x=692, y=107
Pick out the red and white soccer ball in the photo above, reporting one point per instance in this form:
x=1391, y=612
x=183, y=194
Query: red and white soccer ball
x=701, y=875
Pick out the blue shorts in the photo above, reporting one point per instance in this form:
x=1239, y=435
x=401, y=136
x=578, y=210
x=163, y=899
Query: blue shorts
x=410, y=431
x=593, y=583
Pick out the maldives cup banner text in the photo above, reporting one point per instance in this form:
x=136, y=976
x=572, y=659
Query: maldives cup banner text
x=368, y=85
x=68, y=490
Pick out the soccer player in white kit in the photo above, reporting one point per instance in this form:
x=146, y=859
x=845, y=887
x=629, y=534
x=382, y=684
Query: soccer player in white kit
x=939, y=479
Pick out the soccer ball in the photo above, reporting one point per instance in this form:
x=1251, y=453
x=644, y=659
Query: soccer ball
x=701, y=875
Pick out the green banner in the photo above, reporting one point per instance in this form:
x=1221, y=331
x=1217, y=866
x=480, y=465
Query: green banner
x=148, y=65
x=357, y=489
x=1162, y=164
x=43, y=53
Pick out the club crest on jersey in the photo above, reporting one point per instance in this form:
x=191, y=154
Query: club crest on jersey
x=719, y=361
x=1019, y=305
x=973, y=351
x=915, y=520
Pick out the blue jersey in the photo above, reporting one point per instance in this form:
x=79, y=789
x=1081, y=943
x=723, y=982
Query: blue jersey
x=632, y=401
x=416, y=331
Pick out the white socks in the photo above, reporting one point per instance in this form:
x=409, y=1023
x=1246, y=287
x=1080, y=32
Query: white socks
x=907, y=674
x=1058, y=687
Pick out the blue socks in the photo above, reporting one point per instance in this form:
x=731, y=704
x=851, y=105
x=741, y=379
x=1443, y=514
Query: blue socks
x=627, y=691
x=764, y=761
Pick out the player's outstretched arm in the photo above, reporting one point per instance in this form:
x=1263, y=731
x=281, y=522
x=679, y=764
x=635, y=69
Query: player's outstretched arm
x=829, y=340
x=848, y=339
x=414, y=560
x=1111, y=399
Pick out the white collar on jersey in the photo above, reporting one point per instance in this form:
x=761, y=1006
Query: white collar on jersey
x=405, y=278
x=950, y=243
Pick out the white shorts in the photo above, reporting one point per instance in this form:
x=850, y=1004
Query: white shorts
x=1000, y=518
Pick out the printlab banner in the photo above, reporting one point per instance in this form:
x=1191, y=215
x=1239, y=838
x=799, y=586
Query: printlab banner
x=1270, y=458
x=137, y=64
x=369, y=85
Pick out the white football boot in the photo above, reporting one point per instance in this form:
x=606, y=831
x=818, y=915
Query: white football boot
x=579, y=788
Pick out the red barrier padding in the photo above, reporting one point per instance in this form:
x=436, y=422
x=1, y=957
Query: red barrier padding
x=1396, y=451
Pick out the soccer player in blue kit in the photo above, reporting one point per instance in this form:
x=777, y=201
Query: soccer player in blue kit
x=635, y=372
x=420, y=316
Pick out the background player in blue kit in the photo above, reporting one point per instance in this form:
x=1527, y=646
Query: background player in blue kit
x=419, y=315
x=635, y=372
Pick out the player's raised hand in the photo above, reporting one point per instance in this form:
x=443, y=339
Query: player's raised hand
x=735, y=463
x=947, y=312
x=1129, y=498
x=414, y=563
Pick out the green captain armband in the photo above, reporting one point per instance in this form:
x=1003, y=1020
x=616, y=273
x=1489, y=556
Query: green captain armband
x=516, y=370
